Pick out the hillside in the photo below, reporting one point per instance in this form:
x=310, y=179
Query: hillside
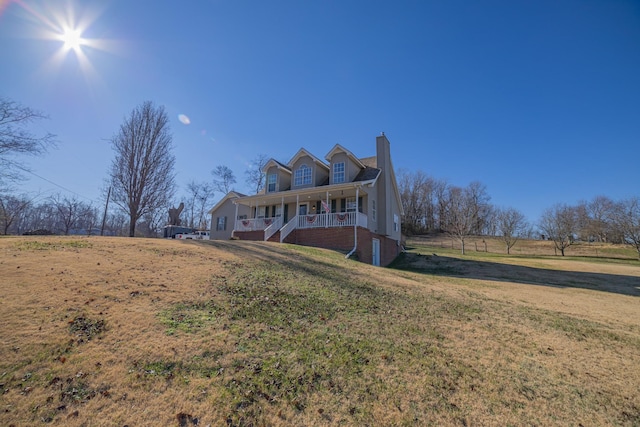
x=115, y=331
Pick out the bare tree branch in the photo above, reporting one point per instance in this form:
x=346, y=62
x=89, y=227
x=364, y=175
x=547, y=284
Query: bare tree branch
x=225, y=180
x=254, y=175
x=16, y=139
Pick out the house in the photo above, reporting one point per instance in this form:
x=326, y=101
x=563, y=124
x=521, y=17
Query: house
x=223, y=213
x=341, y=202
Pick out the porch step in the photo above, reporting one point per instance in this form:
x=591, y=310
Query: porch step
x=275, y=237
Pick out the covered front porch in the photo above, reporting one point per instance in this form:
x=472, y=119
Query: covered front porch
x=338, y=206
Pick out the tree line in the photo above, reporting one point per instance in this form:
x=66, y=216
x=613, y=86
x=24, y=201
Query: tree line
x=434, y=205
x=141, y=185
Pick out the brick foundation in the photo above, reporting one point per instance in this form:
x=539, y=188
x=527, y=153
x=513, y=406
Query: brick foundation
x=249, y=235
x=336, y=238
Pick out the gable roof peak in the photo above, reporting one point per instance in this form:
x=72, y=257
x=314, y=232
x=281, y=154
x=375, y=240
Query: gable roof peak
x=340, y=149
x=277, y=164
x=301, y=153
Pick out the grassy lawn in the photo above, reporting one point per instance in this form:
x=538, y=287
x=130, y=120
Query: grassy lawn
x=107, y=331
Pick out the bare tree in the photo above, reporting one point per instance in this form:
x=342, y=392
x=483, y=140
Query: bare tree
x=199, y=196
x=116, y=224
x=420, y=195
x=478, y=199
x=69, y=212
x=151, y=222
x=460, y=212
x=600, y=211
x=511, y=225
x=142, y=175
x=88, y=219
x=440, y=190
x=254, y=175
x=626, y=218
x=225, y=179
x=490, y=221
x=11, y=208
x=15, y=139
x=411, y=188
x=560, y=224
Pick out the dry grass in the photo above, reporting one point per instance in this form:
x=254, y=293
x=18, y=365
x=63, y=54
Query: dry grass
x=605, y=251
x=107, y=331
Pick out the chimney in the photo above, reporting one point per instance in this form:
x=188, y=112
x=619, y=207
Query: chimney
x=383, y=162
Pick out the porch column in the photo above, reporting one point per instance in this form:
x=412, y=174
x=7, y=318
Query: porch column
x=282, y=211
x=357, y=211
x=234, y=219
x=327, y=214
x=355, y=223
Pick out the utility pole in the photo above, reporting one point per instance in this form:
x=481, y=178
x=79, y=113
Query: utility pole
x=104, y=217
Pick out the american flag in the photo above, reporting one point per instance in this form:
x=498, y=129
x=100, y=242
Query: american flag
x=325, y=206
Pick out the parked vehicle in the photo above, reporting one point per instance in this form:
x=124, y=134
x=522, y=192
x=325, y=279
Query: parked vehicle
x=196, y=235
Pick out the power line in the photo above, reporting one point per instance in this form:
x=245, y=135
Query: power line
x=19, y=166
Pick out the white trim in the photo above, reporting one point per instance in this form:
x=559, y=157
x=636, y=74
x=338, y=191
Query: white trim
x=339, y=148
x=375, y=254
x=301, y=153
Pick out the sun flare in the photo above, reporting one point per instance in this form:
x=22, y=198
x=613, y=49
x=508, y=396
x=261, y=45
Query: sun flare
x=72, y=39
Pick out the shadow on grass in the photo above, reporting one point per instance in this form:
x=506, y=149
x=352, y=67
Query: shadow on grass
x=306, y=260
x=485, y=270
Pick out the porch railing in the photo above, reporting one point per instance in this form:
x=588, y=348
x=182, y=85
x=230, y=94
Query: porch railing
x=255, y=224
x=272, y=225
x=338, y=219
x=273, y=228
x=288, y=228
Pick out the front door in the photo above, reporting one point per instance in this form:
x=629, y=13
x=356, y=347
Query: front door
x=375, y=252
x=302, y=209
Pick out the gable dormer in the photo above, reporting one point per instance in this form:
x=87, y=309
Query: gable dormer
x=344, y=166
x=277, y=176
x=307, y=170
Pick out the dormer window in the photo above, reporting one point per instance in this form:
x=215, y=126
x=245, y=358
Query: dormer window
x=302, y=175
x=338, y=173
x=271, y=182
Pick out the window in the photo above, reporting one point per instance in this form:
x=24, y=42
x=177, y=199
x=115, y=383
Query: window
x=373, y=210
x=271, y=182
x=338, y=173
x=262, y=211
x=221, y=223
x=351, y=204
x=302, y=176
x=396, y=222
x=278, y=210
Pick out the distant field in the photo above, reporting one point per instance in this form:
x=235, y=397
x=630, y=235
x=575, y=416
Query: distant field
x=528, y=247
x=117, y=331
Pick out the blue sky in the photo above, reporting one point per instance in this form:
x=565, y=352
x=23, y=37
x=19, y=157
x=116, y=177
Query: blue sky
x=538, y=100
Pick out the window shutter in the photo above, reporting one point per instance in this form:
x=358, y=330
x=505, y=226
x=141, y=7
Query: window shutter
x=225, y=223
